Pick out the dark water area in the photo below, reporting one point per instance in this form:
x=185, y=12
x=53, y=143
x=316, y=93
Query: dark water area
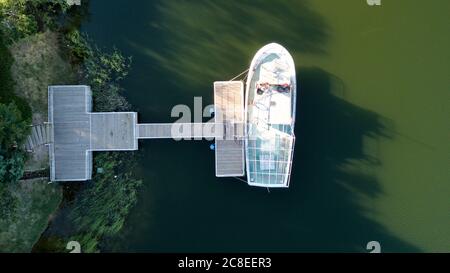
x=335, y=202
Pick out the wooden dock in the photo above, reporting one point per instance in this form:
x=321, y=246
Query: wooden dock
x=229, y=111
x=74, y=132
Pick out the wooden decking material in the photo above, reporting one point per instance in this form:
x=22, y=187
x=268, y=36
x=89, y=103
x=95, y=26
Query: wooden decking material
x=113, y=131
x=40, y=135
x=179, y=130
x=68, y=113
x=75, y=132
x=229, y=111
x=229, y=105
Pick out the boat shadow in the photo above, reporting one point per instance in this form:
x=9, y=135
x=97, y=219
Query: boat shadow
x=334, y=171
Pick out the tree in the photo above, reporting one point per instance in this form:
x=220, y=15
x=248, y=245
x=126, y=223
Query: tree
x=13, y=132
x=11, y=169
x=13, y=128
x=21, y=18
x=7, y=94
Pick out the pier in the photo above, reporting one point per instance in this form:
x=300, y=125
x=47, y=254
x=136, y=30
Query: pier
x=74, y=132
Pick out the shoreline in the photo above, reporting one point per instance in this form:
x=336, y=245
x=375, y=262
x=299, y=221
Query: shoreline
x=69, y=57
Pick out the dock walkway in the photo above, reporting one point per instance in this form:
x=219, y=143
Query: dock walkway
x=74, y=132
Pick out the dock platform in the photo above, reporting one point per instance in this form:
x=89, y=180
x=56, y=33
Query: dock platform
x=76, y=132
x=229, y=111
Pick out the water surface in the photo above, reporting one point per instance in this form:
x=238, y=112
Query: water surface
x=371, y=160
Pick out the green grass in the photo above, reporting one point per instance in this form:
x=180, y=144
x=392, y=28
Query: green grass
x=38, y=64
x=37, y=200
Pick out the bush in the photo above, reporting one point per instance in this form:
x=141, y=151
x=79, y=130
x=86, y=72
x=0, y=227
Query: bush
x=21, y=18
x=11, y=167
x=13, y=131
x=6, y=82
x=102, y=207
x=15, y=22
x=13, y=128
x=6, y=61
x=8, y=204
x=77, y=46
x=102, y=71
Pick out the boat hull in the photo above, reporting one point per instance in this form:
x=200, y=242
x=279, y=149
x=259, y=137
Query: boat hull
x=270, y=117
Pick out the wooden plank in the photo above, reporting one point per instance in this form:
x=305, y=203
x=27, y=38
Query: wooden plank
x=70, y=131
x=178, y=130
x=113, y=131
x=229, y=111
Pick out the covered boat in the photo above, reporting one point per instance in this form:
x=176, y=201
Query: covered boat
x=270, y=117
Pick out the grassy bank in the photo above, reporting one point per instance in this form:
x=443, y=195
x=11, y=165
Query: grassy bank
x=36, y=201
x=98, y=211
x=25, y=206
x=38, y=49
x=38, y=63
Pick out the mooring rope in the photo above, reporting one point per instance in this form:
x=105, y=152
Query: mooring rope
x=240, y=179
x=240, y=75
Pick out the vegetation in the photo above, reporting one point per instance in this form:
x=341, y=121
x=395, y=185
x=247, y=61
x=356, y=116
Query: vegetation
x=25, y=205
x=33, y=72
x=34, y=202
x=100, y=209
x=7, y=94
x=22, y=18
x=13, y=130
x=102, y=71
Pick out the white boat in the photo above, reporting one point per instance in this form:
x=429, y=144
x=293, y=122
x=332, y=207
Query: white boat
x=270, y=117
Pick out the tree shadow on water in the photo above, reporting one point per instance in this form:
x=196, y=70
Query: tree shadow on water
x=324, y=195
x=185, y=46
x=198, y=42
x=326, y=208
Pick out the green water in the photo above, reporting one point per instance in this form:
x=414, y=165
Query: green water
x=372, y=150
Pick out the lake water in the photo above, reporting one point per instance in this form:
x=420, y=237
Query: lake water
x=371, y=160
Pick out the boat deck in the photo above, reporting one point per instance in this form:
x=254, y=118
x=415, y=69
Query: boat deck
x=271, y=114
